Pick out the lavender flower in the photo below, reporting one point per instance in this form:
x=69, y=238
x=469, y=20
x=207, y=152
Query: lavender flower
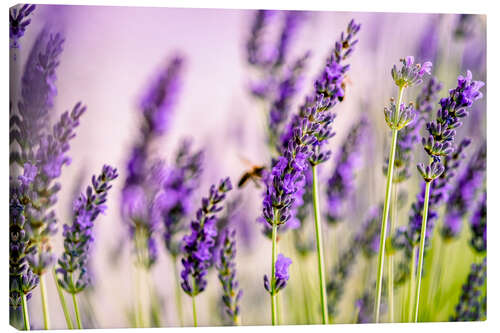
x=307, y=132
x=478, y=226
x=341, y=183
x=461, y=198
x=78, y=237
x=429, y=41
x=287, y=88
x=254, y=45
x=226, y=266
x=470, y=307
x=411, y=73
x=198, y=245
x=18, y=22
x=22, y=280
x=144, y=174
x=173, y=203
x=442, y=131
x=281, y=275
x=31, y=121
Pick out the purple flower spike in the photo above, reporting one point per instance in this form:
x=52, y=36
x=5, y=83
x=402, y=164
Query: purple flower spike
x=198, y=245
x=306, y=135
x=281, y=275
x=78, y=237
x=478, y=226
x=19, y=21
x=173, y=203
x=472, y=303
x=226, y=266
x=460, y=201
x=341, y=183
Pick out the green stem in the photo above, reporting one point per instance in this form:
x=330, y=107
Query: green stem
x=319, y=246
x=390, y=259
x=422, y=246
x=69, y=322
x=274, y=318
x=385, y=214
x=412, y=283
x=178, y=295
x=26, y=316
x=45, y=308
x=77, y=312
x=195, y=321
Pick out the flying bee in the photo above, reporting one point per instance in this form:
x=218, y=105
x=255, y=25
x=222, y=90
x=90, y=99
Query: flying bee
x=346, y=82
x=254, y=174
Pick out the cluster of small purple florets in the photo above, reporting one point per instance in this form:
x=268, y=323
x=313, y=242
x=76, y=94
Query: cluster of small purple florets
x=341, y=183
x=307, y=133
x=478, y=226
x=281, y=275
x=18, y=21
x=144, y=176
x=442, y=131
x=173, y=203
x=22, y=280
x=198, y=245
x=460, y=201
x=471, y=307
x=226, y=266
x=78, y=237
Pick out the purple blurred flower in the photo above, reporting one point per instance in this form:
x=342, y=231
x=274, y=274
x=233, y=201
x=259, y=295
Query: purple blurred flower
x=31, y=121
x=460, y=201
x=470, y=306
x=198, y=245
x=18, y=22
x=144, y=174
x=478, y=226
x=341, y=184
x=281, y=274
x=429, y=40
x=173, y=203
x=226, y=267
x=78, y=237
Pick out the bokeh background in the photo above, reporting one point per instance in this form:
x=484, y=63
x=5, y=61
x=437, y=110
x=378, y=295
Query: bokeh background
x=109, y=55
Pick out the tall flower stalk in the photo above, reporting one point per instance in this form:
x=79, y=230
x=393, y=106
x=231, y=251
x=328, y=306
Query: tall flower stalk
x=440, y=144
x=145, y=173
x=198, y=245
x=226, y=267
x=397, y=116
x=73, y=269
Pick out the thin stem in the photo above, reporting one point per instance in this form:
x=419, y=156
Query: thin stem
x=69, y=322
x=385, y=214
x=45, y=307
x=274, y=318
x=77, y=312
x=319, y=246
x=421, y=249
x=390, y=259
x=412, y=283
x=178, y=295
x=195, y=321
x=26, y=316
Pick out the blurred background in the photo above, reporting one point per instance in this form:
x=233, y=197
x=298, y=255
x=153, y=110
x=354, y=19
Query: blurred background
x=111, y=53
